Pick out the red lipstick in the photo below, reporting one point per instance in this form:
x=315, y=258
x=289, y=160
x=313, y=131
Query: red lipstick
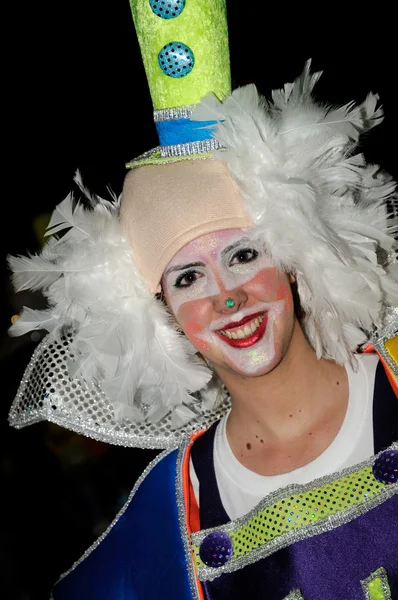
x=250, y=340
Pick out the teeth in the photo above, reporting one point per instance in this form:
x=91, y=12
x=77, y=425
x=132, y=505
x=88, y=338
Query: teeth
x=247, y=330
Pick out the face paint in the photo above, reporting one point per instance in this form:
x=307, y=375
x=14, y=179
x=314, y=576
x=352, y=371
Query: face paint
x=199, y=279
x=247, y=338
x=212, y=263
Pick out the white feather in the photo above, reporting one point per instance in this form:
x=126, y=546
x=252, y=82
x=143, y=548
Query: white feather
x=30, y=320
x=319, y=209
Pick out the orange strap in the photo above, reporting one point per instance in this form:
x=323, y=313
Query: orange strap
x=391, y=378
x=191, y=506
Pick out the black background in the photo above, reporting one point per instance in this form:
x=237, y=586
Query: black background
x=75, y=97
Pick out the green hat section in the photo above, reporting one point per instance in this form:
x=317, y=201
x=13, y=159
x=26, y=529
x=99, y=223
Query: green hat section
x=185, y=50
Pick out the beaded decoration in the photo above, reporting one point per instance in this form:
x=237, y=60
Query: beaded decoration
x=295, y=513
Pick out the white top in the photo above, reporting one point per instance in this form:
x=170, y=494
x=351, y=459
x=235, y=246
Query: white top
x=242, y=489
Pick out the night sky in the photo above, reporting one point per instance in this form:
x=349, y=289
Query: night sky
x=77, y=98
x=82, y=99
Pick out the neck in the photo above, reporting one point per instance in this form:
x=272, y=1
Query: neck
x=286, y=402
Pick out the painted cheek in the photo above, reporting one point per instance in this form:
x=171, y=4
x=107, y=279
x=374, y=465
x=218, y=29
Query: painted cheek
x=192, y=328
x=284, y=293
x=265, y=284
x=194, y=317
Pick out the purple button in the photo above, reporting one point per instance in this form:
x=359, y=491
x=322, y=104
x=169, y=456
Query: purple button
x=216, y=549
x=385, y=467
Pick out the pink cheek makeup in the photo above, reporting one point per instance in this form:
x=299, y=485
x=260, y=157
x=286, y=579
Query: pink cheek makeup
x=192, y=328
x=245, y=338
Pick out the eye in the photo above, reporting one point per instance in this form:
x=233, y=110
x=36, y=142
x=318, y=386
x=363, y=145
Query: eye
x=186, y=279
x=242, y=256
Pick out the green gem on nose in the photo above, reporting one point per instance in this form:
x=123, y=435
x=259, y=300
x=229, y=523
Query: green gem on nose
x=229, y=302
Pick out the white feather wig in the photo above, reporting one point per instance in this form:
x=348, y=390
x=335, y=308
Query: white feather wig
x=323, y=213
x=123, y=337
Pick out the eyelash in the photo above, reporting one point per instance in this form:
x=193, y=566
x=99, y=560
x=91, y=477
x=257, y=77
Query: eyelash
x=244, y=251
x=180, y=278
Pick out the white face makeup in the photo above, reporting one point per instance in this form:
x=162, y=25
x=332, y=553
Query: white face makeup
x=198, y=271
x=201, y=277
x=248, y=353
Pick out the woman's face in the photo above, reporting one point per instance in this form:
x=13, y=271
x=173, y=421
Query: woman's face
x=250, y=337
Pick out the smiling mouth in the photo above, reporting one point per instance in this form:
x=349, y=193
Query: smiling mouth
x=246, y=332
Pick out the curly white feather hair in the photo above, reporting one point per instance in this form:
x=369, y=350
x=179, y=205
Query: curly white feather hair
x=318, y=207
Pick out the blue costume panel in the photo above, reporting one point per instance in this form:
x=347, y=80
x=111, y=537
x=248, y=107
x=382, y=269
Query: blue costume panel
x=142, y=555
x=146, y=553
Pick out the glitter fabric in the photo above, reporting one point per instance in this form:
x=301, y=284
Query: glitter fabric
x=154, y=157
x=47, y=393
x=190, y=148
x=216, y=549
x=388, y=332
x=295, y=513
x=180, y=497
x=375, y=587
x=201, y=25
x=174, y=113
x=385, y=468
x=294, y=595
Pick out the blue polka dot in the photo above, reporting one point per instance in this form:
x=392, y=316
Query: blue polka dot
x=167, y=9
x=176, y=59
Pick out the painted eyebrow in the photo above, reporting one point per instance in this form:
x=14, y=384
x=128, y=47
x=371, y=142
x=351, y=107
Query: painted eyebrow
x=182, y=267
x=235, y=245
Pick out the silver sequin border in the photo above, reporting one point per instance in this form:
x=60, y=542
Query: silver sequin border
x=153, y=440
x=387, y=332
x=173, y=113
x=190, y=148
x=382, y=574
x=328, y=523
x=182, y=517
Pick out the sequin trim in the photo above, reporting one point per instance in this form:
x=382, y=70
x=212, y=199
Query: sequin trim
x=388, y=330
x=182, y=517
x=294, y=595
x=171, y=114
x=153, y=157
x=47, y=393
x=137, y=484
x=283, y=540
x=380, y=574
x=190, y=148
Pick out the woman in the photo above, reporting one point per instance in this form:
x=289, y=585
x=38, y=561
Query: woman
x=258, y=261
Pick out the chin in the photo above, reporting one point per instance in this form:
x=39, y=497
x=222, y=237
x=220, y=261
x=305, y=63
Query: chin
x=259, y=366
